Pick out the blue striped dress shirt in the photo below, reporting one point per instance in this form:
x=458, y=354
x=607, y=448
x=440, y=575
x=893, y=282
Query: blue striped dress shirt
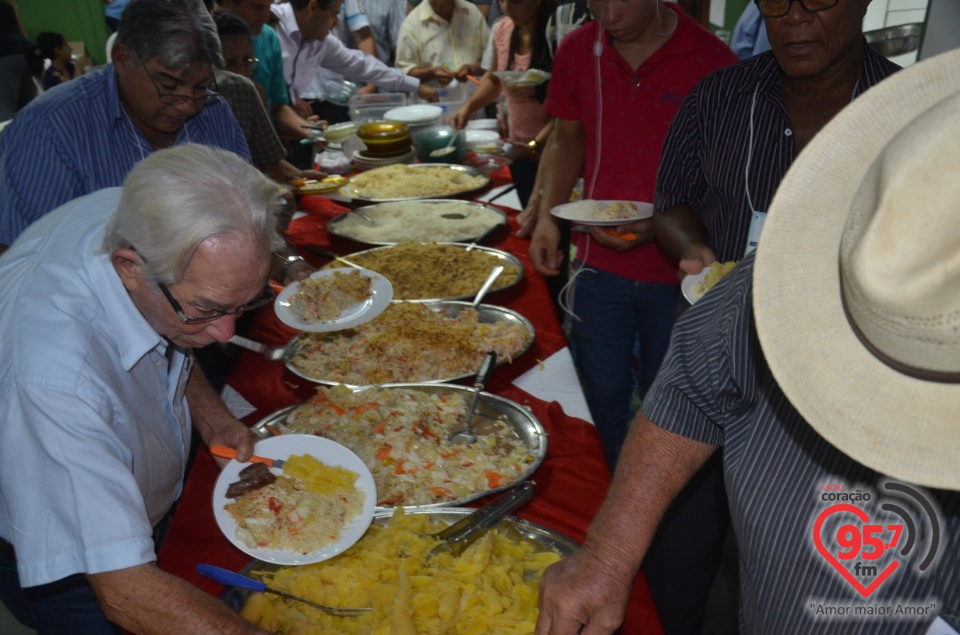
x=708, y=147
x=715, y=387
x=76, y=139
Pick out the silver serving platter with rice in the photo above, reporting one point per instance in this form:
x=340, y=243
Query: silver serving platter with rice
x=487, y=314
x=422, y=221
x=501, y=256
x=355, y=194
x=489, y=409
x=544, y=537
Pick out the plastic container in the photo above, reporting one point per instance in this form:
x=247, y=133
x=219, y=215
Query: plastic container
x=372, y=106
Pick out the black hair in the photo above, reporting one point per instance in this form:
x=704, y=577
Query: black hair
x=47, y=44
x=230, y=24
x=300, y=5
x=540, y=57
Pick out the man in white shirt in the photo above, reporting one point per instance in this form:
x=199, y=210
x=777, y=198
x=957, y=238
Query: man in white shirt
x=442, y=40
x=303, y=27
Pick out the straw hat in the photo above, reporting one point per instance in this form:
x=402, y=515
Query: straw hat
x=857, y=278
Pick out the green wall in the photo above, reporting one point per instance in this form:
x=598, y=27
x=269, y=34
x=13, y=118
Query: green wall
x=78, y=20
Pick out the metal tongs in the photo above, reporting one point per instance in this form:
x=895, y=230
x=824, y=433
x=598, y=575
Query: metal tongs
x=223, y=576
x=458, y=536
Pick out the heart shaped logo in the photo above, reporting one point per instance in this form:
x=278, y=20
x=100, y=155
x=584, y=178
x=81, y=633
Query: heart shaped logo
x=833, y=560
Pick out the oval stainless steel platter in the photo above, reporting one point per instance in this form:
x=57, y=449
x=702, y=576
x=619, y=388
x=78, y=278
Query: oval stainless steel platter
x=487, y=314
x=356, y=196
x=500, y=256
x=424, y=222
x=489, y=409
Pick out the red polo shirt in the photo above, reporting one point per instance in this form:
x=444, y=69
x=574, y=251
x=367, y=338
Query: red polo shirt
x=637, y=109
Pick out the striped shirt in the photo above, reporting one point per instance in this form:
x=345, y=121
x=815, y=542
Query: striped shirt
x=76, y=139
x=251, y=114
x=708, y=147
x=715, y=387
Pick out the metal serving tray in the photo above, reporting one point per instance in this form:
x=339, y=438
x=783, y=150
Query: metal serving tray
x=432, y=208
x=351, y=189
x=503, y=257
x=487, y=313
x=544, y=537
x=489, y=408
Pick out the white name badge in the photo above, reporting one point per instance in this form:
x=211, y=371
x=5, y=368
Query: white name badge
x=756, y=227
x=940, y=627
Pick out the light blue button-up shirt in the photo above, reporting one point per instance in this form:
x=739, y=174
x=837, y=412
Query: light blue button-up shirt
x=76, y=139
x=94, y=428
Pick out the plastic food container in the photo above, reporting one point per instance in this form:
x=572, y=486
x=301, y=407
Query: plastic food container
x=373, y=106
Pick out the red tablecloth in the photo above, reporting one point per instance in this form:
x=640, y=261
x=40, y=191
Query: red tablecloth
x=570, y=484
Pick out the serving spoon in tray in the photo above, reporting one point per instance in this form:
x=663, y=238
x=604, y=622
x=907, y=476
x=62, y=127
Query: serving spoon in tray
x=271, y=353
x=223, y=576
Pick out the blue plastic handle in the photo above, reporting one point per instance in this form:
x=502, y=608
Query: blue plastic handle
x=230, y=578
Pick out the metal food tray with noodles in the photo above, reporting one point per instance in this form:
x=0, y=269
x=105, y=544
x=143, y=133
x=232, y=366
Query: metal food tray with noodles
x=487, y=314
x=540, y=535
x=489, y=408
x=372, y=210
x=351, y=190
x=503, y=256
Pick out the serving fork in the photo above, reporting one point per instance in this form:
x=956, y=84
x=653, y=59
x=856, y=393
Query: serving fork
x=272, y=353
x=230, y=578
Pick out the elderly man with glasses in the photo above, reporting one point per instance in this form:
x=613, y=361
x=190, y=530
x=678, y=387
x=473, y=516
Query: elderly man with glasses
x=88, y=134
x=739, y=131
x=106, y=297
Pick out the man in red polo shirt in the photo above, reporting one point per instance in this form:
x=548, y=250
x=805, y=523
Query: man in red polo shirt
x=643, y=57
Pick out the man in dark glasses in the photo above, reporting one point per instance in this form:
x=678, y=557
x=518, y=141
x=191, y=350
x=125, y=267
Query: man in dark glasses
x=102, y=312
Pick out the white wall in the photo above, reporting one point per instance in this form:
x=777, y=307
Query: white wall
x=943, y=28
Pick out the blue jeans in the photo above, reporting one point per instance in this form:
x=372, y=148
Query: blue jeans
x=65, y=606
x=616, y=314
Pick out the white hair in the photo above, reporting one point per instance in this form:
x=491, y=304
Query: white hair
x=181, y=196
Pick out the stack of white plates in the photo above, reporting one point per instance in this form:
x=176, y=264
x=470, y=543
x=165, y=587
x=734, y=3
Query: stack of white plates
x=364, y=162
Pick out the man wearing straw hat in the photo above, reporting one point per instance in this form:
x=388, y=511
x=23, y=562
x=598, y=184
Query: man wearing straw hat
x=827, y=365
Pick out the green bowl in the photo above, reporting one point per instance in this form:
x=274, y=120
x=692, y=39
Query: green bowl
x=429, y=144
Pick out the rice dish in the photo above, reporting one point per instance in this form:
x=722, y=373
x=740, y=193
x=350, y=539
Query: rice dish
x=419, y=222
x=407, y=343
x=292, y=514
x=401, y=434
x=325, y=298
x=489, y=589
x=403, y=181
x=716, y=272
x=421, y=271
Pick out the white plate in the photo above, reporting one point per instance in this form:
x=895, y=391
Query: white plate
x=381, y=294
x=419, y=113
x=580, y=212
x=281, y=447
x=686, y=285
x=532, y=77
x=688, y=282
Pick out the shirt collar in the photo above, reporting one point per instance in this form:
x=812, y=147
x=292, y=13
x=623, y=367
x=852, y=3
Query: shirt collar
x=134, y=335
x=429, y=15
x=288, y=20
x=114, y=108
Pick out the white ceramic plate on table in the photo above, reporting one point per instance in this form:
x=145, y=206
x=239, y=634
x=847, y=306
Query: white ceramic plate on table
x=381, y=292
x=281, y=447
x=584, y=213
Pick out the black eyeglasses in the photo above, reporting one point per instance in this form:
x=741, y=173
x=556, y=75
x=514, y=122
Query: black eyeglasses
x=265, y=297
x=780, y=8
x=175, y=99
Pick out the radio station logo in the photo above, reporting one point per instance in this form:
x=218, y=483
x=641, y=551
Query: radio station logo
x=867, y=550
